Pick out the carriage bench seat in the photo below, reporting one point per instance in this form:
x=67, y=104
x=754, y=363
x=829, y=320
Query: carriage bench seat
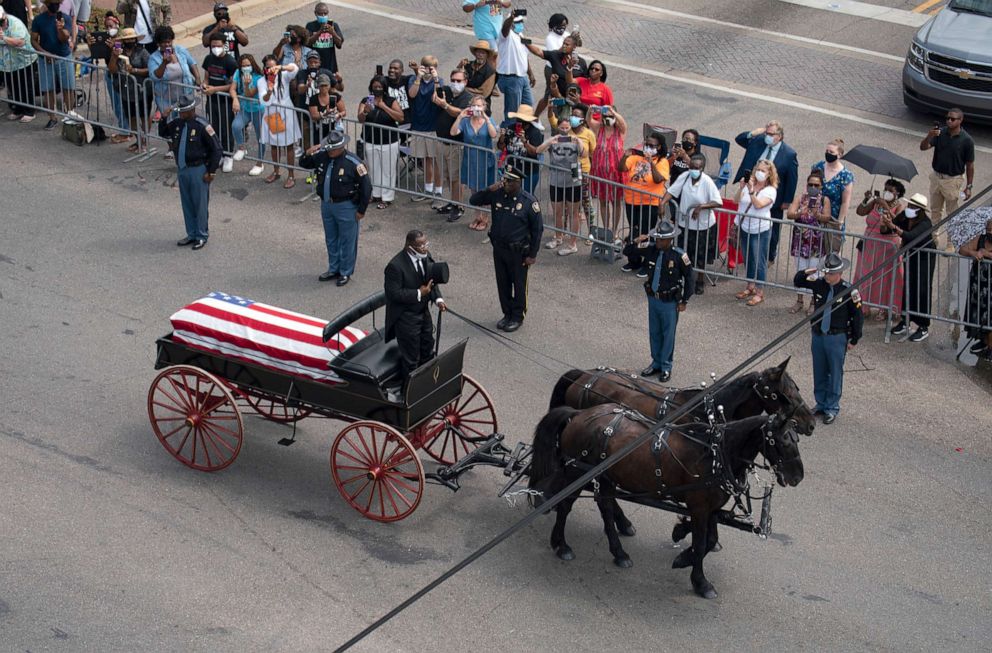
x=369, y=360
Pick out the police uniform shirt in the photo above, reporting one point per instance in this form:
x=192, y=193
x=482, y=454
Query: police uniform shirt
x=516, y=219
x=675, y=281
x=196, y=139
x=845, y=312
x=341, y=178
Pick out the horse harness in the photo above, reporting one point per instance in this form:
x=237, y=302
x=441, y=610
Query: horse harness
x=628, y=382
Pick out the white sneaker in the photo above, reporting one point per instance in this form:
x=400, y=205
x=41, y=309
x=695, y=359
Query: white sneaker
x=169, y=156
x=26, y=119
x=13, y=116
x=228, y=164
x=298, y=151
x=257, y=170
x=239, y=154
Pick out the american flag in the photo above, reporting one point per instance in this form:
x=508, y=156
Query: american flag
x=272, y=337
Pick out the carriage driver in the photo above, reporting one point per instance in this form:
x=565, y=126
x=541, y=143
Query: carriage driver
x=669, y=285
x=837, y=331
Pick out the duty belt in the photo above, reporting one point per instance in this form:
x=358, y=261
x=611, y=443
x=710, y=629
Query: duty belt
x=830, y=332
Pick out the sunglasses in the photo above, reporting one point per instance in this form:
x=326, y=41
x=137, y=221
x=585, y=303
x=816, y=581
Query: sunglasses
x=952, y=118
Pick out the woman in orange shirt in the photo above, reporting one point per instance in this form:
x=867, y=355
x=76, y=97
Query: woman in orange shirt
x=646, y=174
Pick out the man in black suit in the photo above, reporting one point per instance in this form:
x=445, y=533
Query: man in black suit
x=409, y=293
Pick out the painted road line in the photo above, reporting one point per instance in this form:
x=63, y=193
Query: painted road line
x=758, y=30
x=865, y=10
x=922, y=7
x=762, y=97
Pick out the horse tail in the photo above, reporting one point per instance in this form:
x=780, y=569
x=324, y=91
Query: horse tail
x=545, y=461
x=566, y=381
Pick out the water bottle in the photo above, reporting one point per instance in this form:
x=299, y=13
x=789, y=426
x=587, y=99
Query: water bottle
x=726, y=170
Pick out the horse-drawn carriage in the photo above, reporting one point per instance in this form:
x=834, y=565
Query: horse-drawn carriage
x=227, y=353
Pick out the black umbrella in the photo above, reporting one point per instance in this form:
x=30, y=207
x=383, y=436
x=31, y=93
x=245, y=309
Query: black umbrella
x=879, y=161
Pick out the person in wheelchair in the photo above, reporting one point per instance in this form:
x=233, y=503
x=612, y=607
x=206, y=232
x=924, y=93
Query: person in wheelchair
x=412, y=281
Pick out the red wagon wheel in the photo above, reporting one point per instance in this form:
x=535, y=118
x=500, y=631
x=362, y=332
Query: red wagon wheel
x=275, y=410
x=195, y=418
x=377, y=471
x=461, y=426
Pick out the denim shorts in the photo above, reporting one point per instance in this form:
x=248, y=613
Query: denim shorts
x=52, y=70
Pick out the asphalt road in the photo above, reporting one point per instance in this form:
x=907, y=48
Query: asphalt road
x=107, y=543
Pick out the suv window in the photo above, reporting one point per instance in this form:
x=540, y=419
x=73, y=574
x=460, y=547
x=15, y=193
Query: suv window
x=983, y=7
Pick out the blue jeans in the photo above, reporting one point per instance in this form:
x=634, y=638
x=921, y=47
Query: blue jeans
x=516, y=91
x=663, y=317
x=241, y=121
x=194, y=194
x=755, y=250
x=340, y=236
x=53, y=71
x=116, y=105
x=828, y=352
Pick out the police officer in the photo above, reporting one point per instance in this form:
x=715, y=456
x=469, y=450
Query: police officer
x=834, y=333
x=669, y=285
x=198, y=153
x=345, y=190
x=515, y=236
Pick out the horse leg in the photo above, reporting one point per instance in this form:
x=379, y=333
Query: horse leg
x=700, y=533
x=558, y=543
x=606, y=505
x=682, y=528
x=713, y=538
x=624, y=527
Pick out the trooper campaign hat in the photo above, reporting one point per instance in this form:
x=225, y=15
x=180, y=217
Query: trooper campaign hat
x=665, y=231
x=186, y=103
x=335, y=140
x=512, y=173
x=833, y=262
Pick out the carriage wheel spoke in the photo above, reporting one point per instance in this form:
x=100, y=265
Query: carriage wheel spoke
x=467, y=401
x=368, y=451
x=400, y=494
x=345, y=481
x=393, y=492
x=352, y=497
x=365, y=464
x=473, y=412
x=168, y=407
x=204, y=447
x=182, y=394
x=394, y=477
x=216, y=437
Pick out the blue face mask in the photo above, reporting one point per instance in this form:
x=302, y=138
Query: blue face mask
x=769, y=140
x=518, y=28
x=695, y=174
x=575, y=121
x=322, y=19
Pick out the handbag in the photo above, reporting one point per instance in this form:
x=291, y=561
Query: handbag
x=275, y=123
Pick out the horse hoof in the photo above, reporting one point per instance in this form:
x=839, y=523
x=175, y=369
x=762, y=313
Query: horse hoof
x=705, y=590
x=716, y=547
x=623, y=562
x=565, y=553
x=682, y=560
x=680, y=530
x=627, y=531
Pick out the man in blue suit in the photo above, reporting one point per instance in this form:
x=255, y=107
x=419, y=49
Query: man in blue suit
x=767, y=143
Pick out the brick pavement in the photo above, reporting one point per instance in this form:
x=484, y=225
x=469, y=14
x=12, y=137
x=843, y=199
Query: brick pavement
x=181, y=9
x=717, y=53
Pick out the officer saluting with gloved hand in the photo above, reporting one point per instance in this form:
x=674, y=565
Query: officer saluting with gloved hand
x=516, y=237
x=835, y=332
x=345, y=191
x=198, y=154
x=669, y=285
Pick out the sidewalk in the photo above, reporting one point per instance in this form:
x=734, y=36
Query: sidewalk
x=182, y=10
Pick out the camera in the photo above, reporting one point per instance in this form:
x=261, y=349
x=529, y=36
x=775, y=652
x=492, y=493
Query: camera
x=370, y=100
x=378, y=70
x=519, y=12
x=746, y=175
x=526, y=41
x=477, y=111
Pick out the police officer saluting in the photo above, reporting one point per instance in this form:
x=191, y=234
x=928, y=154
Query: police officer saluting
x=516, y=237
x=198, y=154
x=345, y=191
x=669, y=285
x=834, y=333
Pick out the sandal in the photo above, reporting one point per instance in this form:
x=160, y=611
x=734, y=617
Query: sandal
x=117, y=139
x=755, y=300
x=553, y=244
x=383, y=205
x=289, y=183
x=880, y=316
x=271, y=178
x=744, y=294
x=133, y=147
x=810, y=309
x=481, y=226
x=798, y=307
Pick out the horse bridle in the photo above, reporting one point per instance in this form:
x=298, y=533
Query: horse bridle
x=771, y=403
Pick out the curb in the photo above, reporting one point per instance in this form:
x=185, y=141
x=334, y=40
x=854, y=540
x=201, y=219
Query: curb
x=192, y=28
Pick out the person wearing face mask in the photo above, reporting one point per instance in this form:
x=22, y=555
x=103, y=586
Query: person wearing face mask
x=51, y=39
x=410, y=291
x=910, y=225
x=326, y=37
x=515, y=79
x=812, y=209
x=380, y=115
x=878, y=248
x=682, y=153
x=768, y=143
x=197, y=152
x=145, y=16
x=487, y=19
x=578, y=128
x=304, y=88
x=292, y=47
x=564, y=150
x=755, y=198
x=566, y=65
x=605, y=184
x=100, y=44
x=480, y=73
x=478, y=133
x=231, y=36
x=452, y=100
x=17, y=64
x=248, y=110
x=128, y=67
x=646, y=173
x=698, y=196
x=326, y=109
x=423, y=121
x=172, y=69
x=838, y=184
x=557, y=30
x=218, y=86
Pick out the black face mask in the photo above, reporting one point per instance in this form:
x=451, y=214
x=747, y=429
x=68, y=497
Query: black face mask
x=377, y=92
x=688, y=145
x=222, y=16
x=53, y=7
x=294, y=40
x=829, y=158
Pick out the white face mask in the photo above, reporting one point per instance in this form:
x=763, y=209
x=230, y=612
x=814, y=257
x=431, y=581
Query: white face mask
x=112, y=31
x=760, y=175
x=246, y=70
x=650, y=151
x=457, y=87
x=417, y=255
x=888, y=196
x=910, y=213
x=217, y=51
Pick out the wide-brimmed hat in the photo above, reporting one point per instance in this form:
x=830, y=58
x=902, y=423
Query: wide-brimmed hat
x=186, y=103
x=664, y=230
x=524, y=112
x=920, y=200
x=481, y=44
x=335, y=140
x=127, y=33
x=834, y=262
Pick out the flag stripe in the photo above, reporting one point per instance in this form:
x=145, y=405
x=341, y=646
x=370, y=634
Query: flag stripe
x=229, y=351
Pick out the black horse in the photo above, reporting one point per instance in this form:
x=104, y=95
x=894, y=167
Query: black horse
x=681, y=463
x=771, y=390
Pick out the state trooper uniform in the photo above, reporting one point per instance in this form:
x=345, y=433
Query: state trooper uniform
x=669, y=285
x=198, y=154
x=839, y=326
x=345, y=191
x=515, y=235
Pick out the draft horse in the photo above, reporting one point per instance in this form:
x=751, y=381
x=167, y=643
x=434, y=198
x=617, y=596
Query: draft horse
x=699, y=464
